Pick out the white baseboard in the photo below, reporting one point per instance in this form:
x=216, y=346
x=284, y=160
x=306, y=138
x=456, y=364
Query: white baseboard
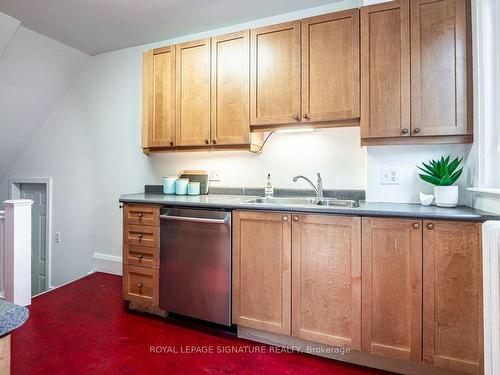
x=107, y=263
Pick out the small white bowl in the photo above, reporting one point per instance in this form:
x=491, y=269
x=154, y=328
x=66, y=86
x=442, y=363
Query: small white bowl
x=426, y=199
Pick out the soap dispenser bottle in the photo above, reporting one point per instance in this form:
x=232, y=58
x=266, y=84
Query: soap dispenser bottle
x=269, y=191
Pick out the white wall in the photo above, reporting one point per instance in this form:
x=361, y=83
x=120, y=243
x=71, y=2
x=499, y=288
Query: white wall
x=35, y=72
x=8, y=27
x=335, y=153
x=406, y=159
x=90, y=146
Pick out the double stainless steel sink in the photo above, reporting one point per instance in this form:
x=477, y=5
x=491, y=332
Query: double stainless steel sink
x=304, y=201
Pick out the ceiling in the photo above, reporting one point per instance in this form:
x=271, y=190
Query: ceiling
x=97, y=26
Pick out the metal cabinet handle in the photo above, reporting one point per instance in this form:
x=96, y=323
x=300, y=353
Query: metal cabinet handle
x=404, y=131
x=416, y=225
x=417, y=130
x=139, y=236
x=296, y=117
x=430, y=226
x=285, y=218
x=171, y=143
x=206, y=141
x=139, y=256
x=296, y=218
x=120, y=206
x=140, y=214
x=306, y=116
x=214, y=141
x=139, y=285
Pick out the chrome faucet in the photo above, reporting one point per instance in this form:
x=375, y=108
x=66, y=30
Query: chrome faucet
x=318, y=190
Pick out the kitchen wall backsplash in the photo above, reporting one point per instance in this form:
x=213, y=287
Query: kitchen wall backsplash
x=335, y=153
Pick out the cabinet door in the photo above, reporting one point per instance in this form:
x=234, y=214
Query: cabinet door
x=392, y=288
x=193, y=93
x=162, y=125
x=326, y=279
x=230, y=89
x=385, y=70
x=439, y=71
x=453, y=296
x=261, y=270
x=330, y=67
x=275, y=74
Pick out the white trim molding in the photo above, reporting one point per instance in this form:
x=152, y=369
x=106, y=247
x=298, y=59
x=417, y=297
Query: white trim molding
x=15, y=193
x=107, y=263
x=486, y=191
x=17, y=251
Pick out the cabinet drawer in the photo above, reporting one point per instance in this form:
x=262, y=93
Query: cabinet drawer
x=140, y=284
x=141, y=214
x=141, y=235
x=141, y=256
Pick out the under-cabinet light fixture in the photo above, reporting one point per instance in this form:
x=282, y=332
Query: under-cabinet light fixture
x=295, y=130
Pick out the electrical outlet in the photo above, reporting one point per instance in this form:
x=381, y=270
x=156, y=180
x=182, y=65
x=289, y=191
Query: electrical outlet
x=215, y=175
x=58, y=237
x=389, y=176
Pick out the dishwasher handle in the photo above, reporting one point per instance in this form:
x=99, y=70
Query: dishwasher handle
x=193, y=219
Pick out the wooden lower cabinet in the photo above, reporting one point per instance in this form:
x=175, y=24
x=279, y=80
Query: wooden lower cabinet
x=326, y=279
x=422, y=292
x=392, y=288
x=261, y=270
x=452, y=301
x=323, y=253
x=141, y=257
x=140, y=284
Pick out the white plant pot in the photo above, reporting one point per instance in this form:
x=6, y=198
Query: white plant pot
x=446, y=196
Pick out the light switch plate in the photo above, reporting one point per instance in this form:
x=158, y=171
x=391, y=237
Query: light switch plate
x=389, y=176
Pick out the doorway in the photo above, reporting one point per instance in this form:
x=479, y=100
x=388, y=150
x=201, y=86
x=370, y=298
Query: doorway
x=37, y=190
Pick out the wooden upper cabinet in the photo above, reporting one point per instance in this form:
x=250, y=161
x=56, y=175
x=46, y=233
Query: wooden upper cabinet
x=261, y=270
x=330, y=67
x=159, y=85
x=230, y=88
x=439, y=67
x=392, y=288
x=326, y=279
x=385, y=70
x=452, y=303
x=275, y=74
x=193, y=93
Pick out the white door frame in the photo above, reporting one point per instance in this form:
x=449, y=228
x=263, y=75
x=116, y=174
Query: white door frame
x=15, y=193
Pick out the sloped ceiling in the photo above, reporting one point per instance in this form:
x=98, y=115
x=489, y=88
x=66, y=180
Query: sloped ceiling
x=35, y=71
x=96, y=26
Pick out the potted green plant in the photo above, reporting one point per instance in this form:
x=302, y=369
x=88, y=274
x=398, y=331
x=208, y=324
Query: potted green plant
x=443, y=173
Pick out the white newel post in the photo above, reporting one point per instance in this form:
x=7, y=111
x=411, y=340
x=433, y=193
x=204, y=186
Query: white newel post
x=17, y=252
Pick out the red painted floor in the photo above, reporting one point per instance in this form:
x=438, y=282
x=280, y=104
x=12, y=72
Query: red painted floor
x=84, y=328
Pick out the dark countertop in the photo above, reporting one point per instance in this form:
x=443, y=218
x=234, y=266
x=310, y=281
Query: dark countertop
x=11, y=316
x=410, y=210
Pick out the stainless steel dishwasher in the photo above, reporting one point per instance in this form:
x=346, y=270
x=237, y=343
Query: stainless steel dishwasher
x=195, y=264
